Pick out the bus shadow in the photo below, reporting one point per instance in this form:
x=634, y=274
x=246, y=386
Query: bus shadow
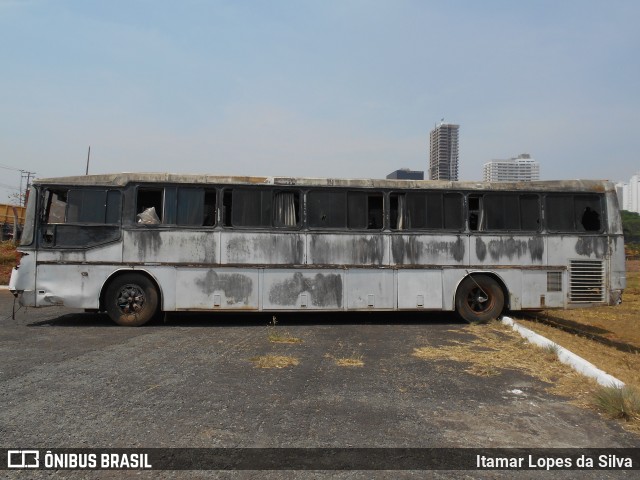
x=596, y=334
x=259, y=319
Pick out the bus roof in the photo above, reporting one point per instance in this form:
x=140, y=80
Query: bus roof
x=122, y=179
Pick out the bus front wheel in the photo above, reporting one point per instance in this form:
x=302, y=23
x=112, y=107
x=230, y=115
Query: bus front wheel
x=131, y=300
x=479, y=299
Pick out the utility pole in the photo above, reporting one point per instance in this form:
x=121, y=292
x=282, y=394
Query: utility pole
x=27, y=175
x=88, y=155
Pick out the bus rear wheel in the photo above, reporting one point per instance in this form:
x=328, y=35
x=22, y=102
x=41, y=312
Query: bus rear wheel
x=479, y=299
x=131, y=300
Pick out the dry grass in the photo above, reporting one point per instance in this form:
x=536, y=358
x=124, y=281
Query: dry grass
x=497, y=348
x=350, y=362
x=619, y=323
x=354, y=360
x=622, y=403
x=283, y=337
x=274, y=361
x=279, y=335
x=8, y=259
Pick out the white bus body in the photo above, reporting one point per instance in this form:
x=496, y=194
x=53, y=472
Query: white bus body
x=282, y=244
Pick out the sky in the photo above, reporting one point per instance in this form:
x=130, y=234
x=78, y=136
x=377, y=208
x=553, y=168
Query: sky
x=324, y=88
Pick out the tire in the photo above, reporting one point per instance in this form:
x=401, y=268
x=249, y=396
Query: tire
x=131, y=300
x=479, y=299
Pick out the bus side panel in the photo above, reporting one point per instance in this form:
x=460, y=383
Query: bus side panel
x=153, y=245
x=347, y=249
x=219, y=288
x=370, y=289
x=308, y=289
x=68, y=277
x=262, y=248
x=419, y=289
x=539, y=292
x=74, y=285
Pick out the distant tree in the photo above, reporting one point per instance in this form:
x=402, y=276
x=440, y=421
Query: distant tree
x=17, y=199
x=631, y=230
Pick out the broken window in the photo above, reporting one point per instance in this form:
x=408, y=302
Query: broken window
x=82, y=206
x=184, y=206
x=150, y=203
x=364, y=211
x=476, y=219
x=573, y=213
x=588, y=212
x=55, y=206
x=80, y=217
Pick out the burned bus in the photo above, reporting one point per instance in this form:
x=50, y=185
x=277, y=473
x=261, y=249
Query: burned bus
x=135, y=244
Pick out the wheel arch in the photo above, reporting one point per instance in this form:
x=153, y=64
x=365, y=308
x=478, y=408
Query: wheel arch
x=488, y=273
x=123, y=271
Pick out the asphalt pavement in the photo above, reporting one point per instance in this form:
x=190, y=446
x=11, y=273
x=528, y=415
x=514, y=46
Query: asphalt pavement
x=70, y=379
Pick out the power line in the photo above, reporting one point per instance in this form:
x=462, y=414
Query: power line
x=11, y=168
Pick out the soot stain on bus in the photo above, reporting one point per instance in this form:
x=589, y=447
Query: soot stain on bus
x=589, y=246
x=411, y=249
x=236, y=287
x=325, y=290
x=510, y=247
x=149, y=242
x=362, y=250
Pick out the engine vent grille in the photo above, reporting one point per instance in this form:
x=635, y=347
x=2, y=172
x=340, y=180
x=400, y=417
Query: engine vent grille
x=587, y=281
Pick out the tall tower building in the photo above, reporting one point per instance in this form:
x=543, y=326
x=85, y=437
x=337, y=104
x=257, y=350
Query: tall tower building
x=443, y=152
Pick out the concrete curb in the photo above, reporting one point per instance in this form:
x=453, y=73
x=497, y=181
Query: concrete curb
x=579, y=364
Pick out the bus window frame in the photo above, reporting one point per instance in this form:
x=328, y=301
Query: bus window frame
x=576, y=231
x=226, y=218
x=463, y=208
x=520, y=230
x=346, y=191
x=44, y=228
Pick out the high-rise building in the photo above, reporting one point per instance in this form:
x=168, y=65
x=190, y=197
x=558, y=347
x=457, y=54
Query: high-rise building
x=406, y=174
x=443, y=152
x=519, y=169
x=629, y=194
x=633, y=203
x=622, y=192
